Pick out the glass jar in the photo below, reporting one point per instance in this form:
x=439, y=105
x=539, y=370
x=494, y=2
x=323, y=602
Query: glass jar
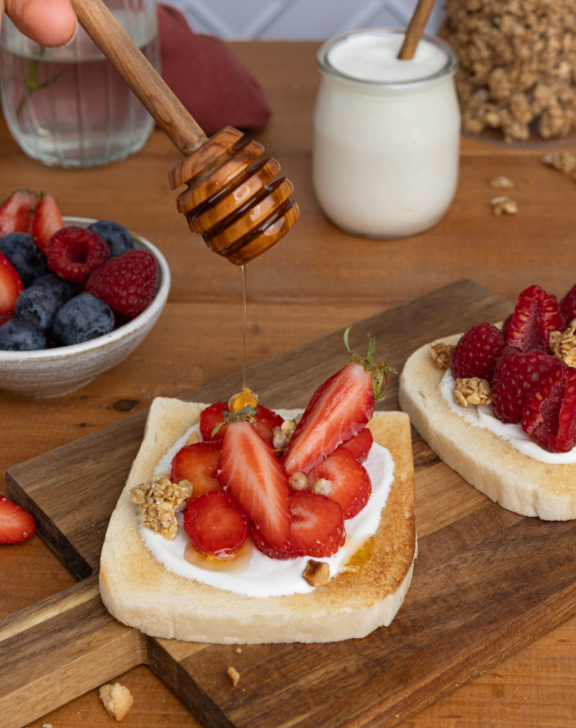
x=386, y=134
x=67, y=106
x=516, y=81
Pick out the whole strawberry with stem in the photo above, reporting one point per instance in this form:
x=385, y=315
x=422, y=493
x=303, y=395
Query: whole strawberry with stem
x=477, y=352
x=339, y=409
x=549, y=414
x=535, y=316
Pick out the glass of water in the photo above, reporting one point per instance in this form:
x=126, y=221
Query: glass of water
x=68, y=106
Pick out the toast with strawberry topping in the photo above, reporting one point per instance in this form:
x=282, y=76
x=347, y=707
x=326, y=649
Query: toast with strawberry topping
x=360, y=444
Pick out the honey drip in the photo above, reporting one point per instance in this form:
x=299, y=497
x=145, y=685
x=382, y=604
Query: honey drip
x=236, y=562
x=244, y=271
x=362, y=556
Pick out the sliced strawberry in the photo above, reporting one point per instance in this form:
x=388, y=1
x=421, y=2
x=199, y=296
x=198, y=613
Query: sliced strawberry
x=339, y=409
x=249, y=470
x=348, y=482
x=216, y=524
x=549, y=414
x=197, y=463
x=16, y=212
x=10, y=285
x=535, y=316
x=47, y=220
x=360, y=444
x=212, y=416
x=16, y=524
x=317, y=528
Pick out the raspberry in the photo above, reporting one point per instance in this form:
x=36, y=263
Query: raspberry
x=126, y=283
x=568, y=305
x=517, y=374
x=549, y=414
x=477, y=352
x=74, y=252
x=536, y=315
x=506, y=325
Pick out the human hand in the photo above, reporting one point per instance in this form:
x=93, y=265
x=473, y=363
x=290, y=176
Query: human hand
x=48, y=22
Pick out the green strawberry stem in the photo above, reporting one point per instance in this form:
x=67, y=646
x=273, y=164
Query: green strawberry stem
x=247, y=413
x=378, y=372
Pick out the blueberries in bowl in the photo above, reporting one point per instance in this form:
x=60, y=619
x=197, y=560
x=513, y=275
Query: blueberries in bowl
x=118, y=238
x=64, y=289
x=21, y=335
x=81, y=319
x=39, y=305
x=22, y=252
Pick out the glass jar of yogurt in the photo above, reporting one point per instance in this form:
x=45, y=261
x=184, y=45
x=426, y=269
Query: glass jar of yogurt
x=386, y=133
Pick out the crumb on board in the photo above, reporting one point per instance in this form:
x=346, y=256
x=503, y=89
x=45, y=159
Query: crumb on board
x=117, y=700
x=501, y=183
x=504, y=205
x=46, y=725
x=233, y=676
x=239, y=650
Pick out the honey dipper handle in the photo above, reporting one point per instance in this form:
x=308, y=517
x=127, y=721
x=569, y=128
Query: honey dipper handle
x=139, y=74
x=415, y=29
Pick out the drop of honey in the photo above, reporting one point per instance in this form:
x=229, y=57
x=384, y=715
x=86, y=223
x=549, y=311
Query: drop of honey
x=234, y=562
x=362, y=556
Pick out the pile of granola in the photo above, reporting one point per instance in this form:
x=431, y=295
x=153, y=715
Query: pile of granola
x=517, y=65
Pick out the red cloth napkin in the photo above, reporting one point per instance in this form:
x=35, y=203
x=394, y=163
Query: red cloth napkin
x=207, y=77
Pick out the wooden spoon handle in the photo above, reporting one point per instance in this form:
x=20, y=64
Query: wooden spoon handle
x=139, y=74
x=415, y=29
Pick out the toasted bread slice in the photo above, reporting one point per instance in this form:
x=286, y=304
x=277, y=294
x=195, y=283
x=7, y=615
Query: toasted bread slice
x=141, y=593
x=489, y=463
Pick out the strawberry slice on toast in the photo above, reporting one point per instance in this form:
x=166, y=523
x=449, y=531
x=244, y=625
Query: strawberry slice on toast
x=16, y=212
x=360, y=444
x=47, y=221
x=342, y=479
x=212, y=416
x=317, y=528
x=250, y=471
x=216, y=525
x=198, y=464
x=339, y=409
x=16, y=524
x=10, y=285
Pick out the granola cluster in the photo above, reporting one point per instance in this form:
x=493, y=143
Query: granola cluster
x=283, y=435
x=472, y=392
x=517, y=65
x=441, y=354
x=563, y=162
x=563, y=344
x=159, y=501
x=504, y=205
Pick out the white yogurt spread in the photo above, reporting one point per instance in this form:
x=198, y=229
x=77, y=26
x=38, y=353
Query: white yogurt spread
x=514, y=434
x=263, y=576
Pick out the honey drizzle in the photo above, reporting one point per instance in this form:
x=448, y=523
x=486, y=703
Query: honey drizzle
x=244, y=271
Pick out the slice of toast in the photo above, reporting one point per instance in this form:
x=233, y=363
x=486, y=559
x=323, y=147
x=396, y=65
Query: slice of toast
x=489, y=463
x=141, y=593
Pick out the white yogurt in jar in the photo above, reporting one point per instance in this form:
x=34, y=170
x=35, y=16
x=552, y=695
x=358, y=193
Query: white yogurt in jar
x=386, y=134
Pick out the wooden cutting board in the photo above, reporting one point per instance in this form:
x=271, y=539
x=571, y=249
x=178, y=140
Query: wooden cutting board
x=486, y=581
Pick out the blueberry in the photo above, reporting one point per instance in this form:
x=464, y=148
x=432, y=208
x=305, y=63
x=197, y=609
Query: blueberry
x=117, y=237
x=39, y=305
x=21, y=335
x=81, y=319
x=22, y=252
x=64, y=289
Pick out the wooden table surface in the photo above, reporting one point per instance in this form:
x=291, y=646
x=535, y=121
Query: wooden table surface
x=316, y=280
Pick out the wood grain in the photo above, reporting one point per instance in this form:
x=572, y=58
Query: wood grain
x=318, y=280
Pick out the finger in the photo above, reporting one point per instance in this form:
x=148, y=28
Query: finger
x=48, y=22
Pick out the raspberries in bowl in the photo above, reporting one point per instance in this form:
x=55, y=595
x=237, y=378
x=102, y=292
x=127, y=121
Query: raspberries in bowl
x=76, y=296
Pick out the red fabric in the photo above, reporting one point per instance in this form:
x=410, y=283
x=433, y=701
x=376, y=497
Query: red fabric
x=207, y=77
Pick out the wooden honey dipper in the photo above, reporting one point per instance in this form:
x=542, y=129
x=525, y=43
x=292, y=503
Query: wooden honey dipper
x=228, y=200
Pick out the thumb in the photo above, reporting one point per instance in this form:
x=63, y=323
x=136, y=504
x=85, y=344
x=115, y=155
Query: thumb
x=48, y=22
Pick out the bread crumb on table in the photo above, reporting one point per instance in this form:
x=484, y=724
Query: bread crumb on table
x=239, y=650
x=117, y=700
x=46, y=725
x=233, y=676
x=504, y=205
x=501, y=183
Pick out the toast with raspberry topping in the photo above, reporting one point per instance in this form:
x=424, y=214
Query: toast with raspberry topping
x=139, y=591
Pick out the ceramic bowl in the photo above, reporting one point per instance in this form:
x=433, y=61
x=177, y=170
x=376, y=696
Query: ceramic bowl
x=54, y=372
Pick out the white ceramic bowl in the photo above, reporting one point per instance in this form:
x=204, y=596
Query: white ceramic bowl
x=53, y=372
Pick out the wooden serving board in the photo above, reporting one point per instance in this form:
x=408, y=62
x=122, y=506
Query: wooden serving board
x=486, y=581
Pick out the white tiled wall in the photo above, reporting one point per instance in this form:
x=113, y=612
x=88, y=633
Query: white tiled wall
x=297, y=18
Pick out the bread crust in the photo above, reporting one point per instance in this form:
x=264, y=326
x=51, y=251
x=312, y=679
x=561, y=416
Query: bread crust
x=141, y=593
x=489, y=463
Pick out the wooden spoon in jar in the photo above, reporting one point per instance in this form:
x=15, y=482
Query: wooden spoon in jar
x=228, y=199
x=415, y=29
